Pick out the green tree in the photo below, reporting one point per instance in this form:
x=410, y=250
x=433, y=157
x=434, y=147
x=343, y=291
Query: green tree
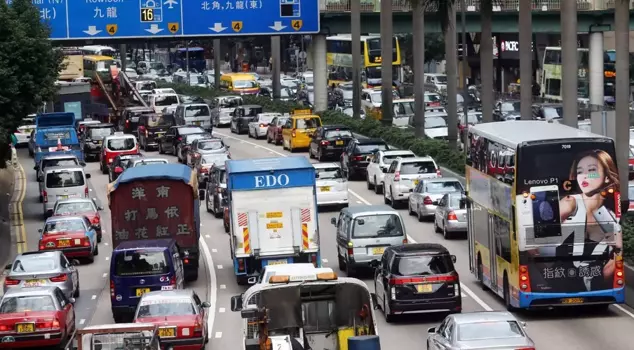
x=29, y=66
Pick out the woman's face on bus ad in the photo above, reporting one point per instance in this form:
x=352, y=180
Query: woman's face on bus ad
x=590, y=174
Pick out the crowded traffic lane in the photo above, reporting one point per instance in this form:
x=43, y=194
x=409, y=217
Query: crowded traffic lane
x=582, y=329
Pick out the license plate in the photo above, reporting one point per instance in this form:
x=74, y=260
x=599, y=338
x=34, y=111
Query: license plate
x=424, y=288
x=325, y=189
x=197, y=123
x=25, y=327
x=63, y=243
x=159, y=134
x=166, y=332
x=62, y=197
x=141, y=291
x=274, y=214
x=277, y=262
x=416, y=182
x=339, y=143
x=274, y=225
x=27, y=131
x=377, y=251
x=34, y=283
x=99, y=142
x=572, y=301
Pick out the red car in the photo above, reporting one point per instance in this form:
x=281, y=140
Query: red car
x=114, y=145
x=75, y=236
x=180, y=315
x=274, y=131
x=630, y=163
x=35, y=317
x=81, y=207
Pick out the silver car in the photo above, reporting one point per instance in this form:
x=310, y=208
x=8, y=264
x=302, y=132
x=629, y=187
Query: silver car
x=54, y=160
x=147, y=161
x=43, y=269
x=451, y=215
x=479, y=331
x=260, y=124
x=206, y=162
x=425, y=196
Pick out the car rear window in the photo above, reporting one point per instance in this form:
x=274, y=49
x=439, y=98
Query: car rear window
x=100, y=132
x=150, y=161
x=27, y=303
x=337, y=133
x=71, y=178
x=155, y=120
x=60, y=226
x=121, y=144
x=191, y=137
x=421, y=265
x=457, y=202
x=422, y=167
x=215, y=159
x=377, y=226
x=307, y=123
x=141, y=262
x=210, y=145
x=389, y=158
x=190, y=130
x=443, y=187
x=369, y=148
x=489, y=330
x=35, y=263
x=197, y=111
x=59, y=162
x=166, y=307
x=332, y=173
x=75, y=208
x=166, y=100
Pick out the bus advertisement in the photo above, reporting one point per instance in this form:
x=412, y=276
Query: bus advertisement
x=545, y=231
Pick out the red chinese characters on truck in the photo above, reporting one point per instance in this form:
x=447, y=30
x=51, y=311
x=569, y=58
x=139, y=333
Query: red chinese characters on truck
x=153, y=209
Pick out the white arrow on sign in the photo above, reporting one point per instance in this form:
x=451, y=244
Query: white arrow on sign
x=92, y=30
x=217, y=27
x=154, y=29
x=277, y=26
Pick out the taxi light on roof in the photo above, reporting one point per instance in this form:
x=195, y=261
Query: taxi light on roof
x=279, y=279
x=302, y=112
x=326, y=276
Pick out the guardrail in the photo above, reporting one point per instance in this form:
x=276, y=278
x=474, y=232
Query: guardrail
x=70, y=344
x=339, y=6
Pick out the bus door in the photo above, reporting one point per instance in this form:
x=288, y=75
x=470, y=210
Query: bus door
x=492, y=253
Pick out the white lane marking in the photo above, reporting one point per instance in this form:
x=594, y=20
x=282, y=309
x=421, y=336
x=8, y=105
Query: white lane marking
x=208, y=236
x=105, y=243
x=218, y=335
x=325, y=261
x=93, y=297
x=104, y=275
x=212, y=283
x=107, y=258
x=221, y=310
x=214, y=250
x=82, y=321
x=466, y=289
x=624, y=310
x=219, y=267
x=358, y=202
x=223, y=286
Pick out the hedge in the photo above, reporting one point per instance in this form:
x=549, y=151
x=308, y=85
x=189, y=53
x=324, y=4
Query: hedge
x=401, y=138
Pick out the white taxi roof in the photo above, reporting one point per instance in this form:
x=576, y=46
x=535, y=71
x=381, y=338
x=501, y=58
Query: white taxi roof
x=297, y=272
x=120, y=135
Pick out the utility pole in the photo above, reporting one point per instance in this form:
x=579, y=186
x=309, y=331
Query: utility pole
x=387, y=35
x=355, y=36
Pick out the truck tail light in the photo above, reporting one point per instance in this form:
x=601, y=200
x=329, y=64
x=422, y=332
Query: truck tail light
x=397, y=176
x=240, y=265
x=111, y=289
x=428, y=201
x=350, y=251
x=45, y=196
x=293, y=134
x=127, y=123
x=452, y=216
x=619, y=276
x=313, y=259
x=325, y=143
x=59, y=278
x=525, y=281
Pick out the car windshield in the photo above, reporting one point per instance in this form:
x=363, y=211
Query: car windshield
x=121, y=144
x=141, y=262
x=190, y=130
x=59, y=162
x=457, y=202
x=285, y=93
x=245, y=84
x=59, y=226
x=75, y=208
x=382, y=225
x=215, y=159
x=376, y=97
x=147, y=86
x=510, y=106
x=331, y=173
x=192, y=137
x=435, y=122
x=35, y=263
x=307, y=123
x=150, y=161
x=423, y=265
x=489, y=330
x=369, y=148
x=337, y=133
x=166, y=307
x=266, y=118
x=27, y=303
x=166, y=100
x=443, y=187
x=231, y=102
x=197, y=111
x=65, y=179
x=100, y=133
x=419, y=167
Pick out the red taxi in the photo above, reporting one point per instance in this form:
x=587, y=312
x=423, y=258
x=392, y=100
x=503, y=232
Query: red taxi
x=35, y=317
x=180, y=315
x=75, y=236
x=114, y=145
x=81, y=207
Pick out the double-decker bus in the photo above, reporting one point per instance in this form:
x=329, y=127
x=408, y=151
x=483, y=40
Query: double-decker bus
x=543, y=214
x=339, y=59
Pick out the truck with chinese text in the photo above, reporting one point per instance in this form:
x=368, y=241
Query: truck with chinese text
x=158, y=201
x=55, y=132
x=273, y=211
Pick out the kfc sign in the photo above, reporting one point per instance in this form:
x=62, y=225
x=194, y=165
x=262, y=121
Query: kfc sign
x=510, y=46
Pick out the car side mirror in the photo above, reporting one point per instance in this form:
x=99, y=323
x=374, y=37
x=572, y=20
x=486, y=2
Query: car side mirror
x=8, y=267
x=375, y=302
x=333, y=221
x=431, y=330
x=88, y=176
x=385, y=170
x=72, y=300
x=118, y=169
x=75, y=262
x=35, y=167
x=100, y=208
x=40, y=230
x=206, y=305
x=236, y=303
x=453, y=259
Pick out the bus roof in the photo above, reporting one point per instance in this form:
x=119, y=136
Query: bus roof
x=98, y=58
x=349, y=37
x=514, y=133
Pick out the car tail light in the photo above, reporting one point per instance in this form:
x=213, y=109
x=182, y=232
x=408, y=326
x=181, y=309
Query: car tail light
x=525, y=281
x=293, y=133
x=240, y=264
x=127, y=123
x=397, y=176
x=172, y=281
x=4, y=328
x=313, y=259
x=453, y=278
x=48, y=324
x=619, y=280
x=438, y=173
x=357, y=158
x=45, y=196
x=96, y=220
x=262, y=125
x=204, y=170
x=86, y=191
x=111, y=289
x=179, y=139
x=325, y=143
x=186, y=261
x=85, y=242
x=198, y=329
x=428, y=201
x=452, y=216
x=11, y=282
x=59, y=278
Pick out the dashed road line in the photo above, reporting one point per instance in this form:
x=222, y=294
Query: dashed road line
x=219, y=267
x=94, y=296
x=221, y=310
x=208, y=236
x=105, y=275
x=218, y=335
x=214, y=250
x=223, y=286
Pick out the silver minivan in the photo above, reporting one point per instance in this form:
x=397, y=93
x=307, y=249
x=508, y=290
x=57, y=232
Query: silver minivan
x=363, y=233
x=63, y=183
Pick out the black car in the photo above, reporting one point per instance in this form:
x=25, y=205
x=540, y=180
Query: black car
x=329, y=141
x=216, y=190
x=168, y=142
x=242, y=116
x=121, y=163
x=416, y=277
x=183, y=147
x=506, y=110
x=129, y=120
x=151, y=127
x=92, y=139
x=354, y=159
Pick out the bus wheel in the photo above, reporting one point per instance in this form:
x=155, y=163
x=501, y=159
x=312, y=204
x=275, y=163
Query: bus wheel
x=481, y=273
x=507, y=295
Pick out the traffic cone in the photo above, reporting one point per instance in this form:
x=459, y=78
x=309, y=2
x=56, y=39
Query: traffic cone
x=59, y=144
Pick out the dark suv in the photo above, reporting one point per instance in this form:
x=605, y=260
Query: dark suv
x=92, y=138
x=151, y=127
x=416, y=277
x=329, y=141
x=354, y=159
x=129, y=121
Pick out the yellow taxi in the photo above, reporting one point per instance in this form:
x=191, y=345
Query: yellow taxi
x=299, y=129
x=243, y=83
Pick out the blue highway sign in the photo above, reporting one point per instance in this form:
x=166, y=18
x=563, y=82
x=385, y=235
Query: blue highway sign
x=120, y=19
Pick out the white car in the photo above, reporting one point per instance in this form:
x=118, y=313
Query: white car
x=23, y=133
x=296, y=272
x=332, y=187
x=436, y=126
x=404, y=174
x=260, y=124
x=379, y=164
x=159, y=102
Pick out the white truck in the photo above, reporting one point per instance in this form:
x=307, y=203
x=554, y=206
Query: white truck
x=273, y=211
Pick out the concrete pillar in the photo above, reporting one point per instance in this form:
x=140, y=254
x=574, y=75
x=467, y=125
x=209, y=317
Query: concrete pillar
x=218, y=58
x=355, y=30
x=124, y=63
x=320, y=78
x=569, y=62
x=387, y=33
x=595, y=70
x=499, y=75
x=486, y=61
x=277, y=64
x=451, y=53
x=526, y=59
x=622, y=93
x=418, y=22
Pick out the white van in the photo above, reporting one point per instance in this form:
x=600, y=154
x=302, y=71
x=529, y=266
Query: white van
x=158, y=102
x=63, y=182
x=198, y=114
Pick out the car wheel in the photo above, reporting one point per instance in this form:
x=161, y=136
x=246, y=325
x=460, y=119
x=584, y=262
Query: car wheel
x=421, y=217
x=350, y=271
x=99, y=237
x=217, y=213
x=310, y=152
x=207, y=205
x=342, y=264
x=268, y=139
x=445, y=234
x=389, y=318
x=385, y=199
x=369, y=185
x=91, y=258
x=320, y=157
x=392, y=201
x=409, y=209
x=160, y=148
x=77, y=291
x=104, y=169
x=96, y=249
x=378, y=188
